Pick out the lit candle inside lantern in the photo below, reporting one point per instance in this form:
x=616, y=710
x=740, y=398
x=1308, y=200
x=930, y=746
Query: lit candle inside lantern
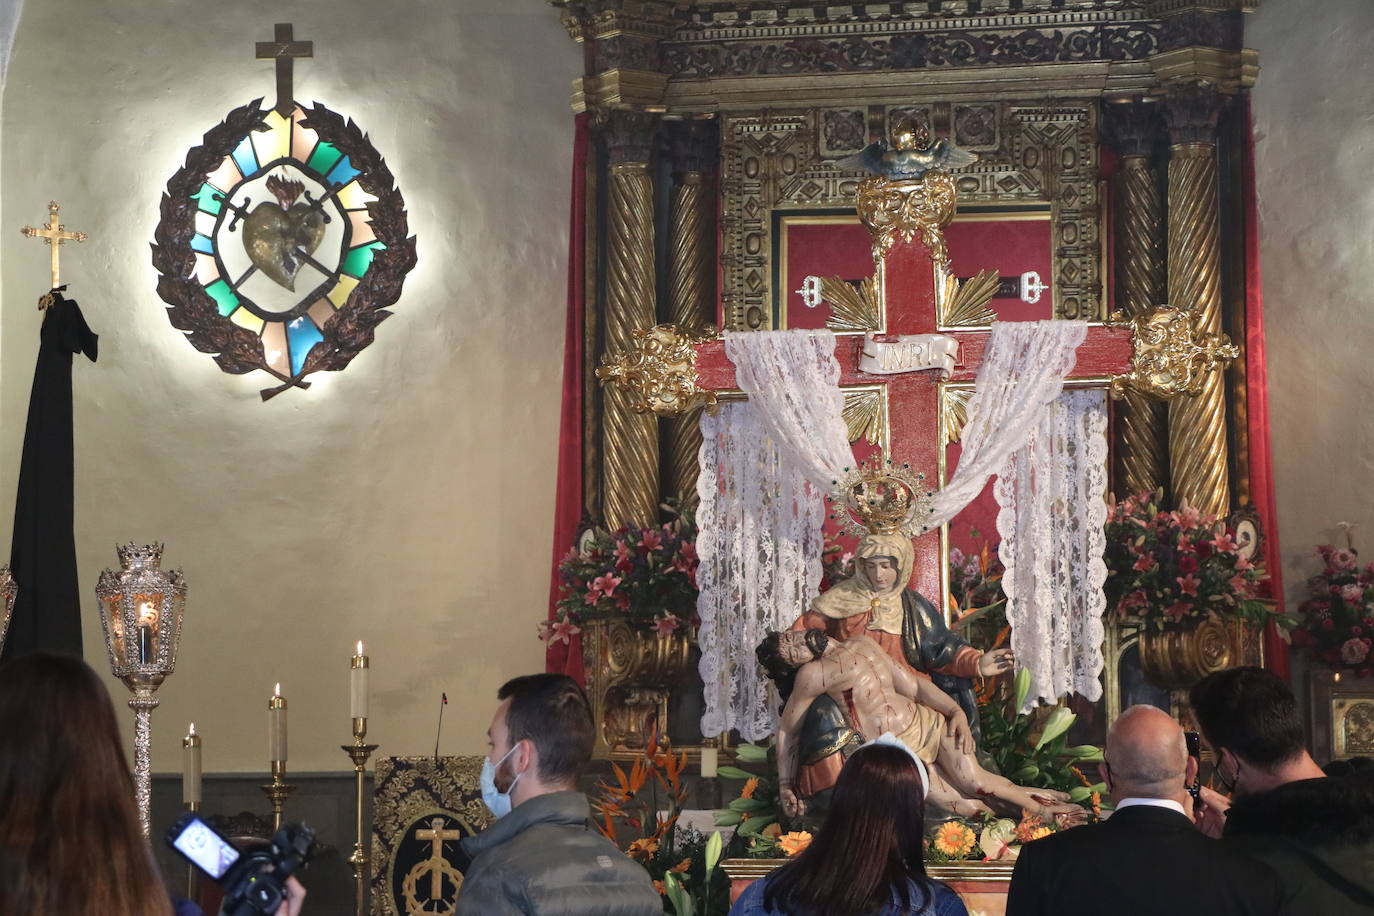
x=276, y=726
x=358, y=684
x=190, y=770
x=147, y=620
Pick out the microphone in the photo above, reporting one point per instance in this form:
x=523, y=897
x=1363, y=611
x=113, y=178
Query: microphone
x=443, y=701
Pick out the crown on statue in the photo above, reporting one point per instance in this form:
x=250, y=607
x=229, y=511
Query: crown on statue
x=879, y=497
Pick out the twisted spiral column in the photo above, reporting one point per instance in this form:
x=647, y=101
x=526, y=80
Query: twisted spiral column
x=689, y=302
x=1198, y=455
x=1142, y=459
x=629, y=440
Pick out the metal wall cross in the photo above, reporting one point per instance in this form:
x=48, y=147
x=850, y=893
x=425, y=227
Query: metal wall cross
x=54, y=233
x=284, y=50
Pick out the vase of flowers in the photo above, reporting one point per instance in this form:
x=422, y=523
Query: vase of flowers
x=1183, y=577
x=1336, y=622
x=631, y=594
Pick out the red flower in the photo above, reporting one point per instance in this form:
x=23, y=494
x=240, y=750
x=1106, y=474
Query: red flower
x=651, y=540
x=1145, y=563
x=1178, y=611
x=1187, y=563
x=1327, y=624
x=1188, y=585
x=667, y=624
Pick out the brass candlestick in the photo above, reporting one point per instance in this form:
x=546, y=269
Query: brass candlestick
x=277, y=790
x=358, y=752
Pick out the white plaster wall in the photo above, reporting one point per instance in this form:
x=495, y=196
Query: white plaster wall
x=1314, y=122
x=405, y=501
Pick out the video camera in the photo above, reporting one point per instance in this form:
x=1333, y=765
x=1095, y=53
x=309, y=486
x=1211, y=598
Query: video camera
x=254, y=881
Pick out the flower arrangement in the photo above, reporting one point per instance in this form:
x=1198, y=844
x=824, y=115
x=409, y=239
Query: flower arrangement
x=985, y=839
x=1180, y=565
x=1040, y=761
x=646, y=575
x=1337, y=620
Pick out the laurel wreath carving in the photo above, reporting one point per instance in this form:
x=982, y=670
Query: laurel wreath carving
x=352, y=327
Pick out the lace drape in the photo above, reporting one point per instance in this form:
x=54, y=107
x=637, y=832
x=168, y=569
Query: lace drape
x=760, y=538
x=1051, y=521
x=1023, y=371
x=766, y=466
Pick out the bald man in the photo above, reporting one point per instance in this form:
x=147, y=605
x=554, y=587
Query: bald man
x=1147, y=858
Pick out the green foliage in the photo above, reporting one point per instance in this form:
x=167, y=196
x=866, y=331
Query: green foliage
x=1043, y=760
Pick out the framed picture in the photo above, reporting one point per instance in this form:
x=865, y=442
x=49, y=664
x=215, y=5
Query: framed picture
x=1342, y=716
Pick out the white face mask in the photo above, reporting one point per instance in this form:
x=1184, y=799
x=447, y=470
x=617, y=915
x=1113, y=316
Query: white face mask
x=497, y=802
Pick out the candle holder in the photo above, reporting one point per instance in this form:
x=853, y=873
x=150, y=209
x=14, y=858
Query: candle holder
x=140, y=611
x=358, y=752
x=8, y=590
x=277, y=790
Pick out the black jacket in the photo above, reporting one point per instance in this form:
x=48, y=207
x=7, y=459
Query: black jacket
x=1141, y=861
x=545, y=858
x=1318, y=834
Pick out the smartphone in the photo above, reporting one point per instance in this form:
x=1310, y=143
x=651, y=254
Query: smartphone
x=202, y=845
x=1194, y=742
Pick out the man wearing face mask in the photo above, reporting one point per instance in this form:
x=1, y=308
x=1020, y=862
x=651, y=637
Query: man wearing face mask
x=542, y=856
x=1316, y=831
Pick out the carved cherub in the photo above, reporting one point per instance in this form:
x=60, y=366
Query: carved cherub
x=910, y=155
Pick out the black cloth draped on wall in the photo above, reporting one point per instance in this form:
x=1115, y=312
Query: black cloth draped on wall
x=47, y=610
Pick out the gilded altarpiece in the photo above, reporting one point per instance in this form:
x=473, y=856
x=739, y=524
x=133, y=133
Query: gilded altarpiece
x=1028, y=85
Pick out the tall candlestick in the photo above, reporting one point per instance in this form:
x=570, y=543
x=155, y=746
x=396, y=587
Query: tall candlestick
x=190, y=772
x=276, y=726
x=358, y=684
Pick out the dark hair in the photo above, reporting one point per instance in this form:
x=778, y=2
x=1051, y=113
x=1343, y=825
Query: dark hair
x=551, y=711
x=869, y=851
x=779, y=670
x=70, y=839
x=1251, y=713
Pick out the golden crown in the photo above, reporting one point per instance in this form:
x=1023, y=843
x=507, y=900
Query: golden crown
x=879, y=497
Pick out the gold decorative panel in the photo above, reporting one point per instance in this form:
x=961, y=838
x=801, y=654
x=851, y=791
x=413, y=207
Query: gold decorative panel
x=772, y=161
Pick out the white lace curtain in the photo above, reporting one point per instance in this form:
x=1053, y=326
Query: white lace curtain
x=1053, y=509
x=767, y=464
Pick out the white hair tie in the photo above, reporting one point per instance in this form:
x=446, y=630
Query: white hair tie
x=892, y=740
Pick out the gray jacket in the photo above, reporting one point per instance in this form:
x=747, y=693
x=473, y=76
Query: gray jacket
x=546, y=858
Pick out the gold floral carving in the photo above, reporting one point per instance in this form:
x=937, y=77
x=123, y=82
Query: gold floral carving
x=901, y=209
x=966, y=304
x=631, y=672
x=852, y=308
x=1181, y=654
x=864, y=416
x=1172, y=357
x=658, y=370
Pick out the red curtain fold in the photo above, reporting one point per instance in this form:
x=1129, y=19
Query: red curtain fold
x=1257, y=407
x=565, y=656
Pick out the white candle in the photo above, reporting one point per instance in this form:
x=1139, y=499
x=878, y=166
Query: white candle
x=276, y=726
x=710, y=760
x=357, y=684
x=190, y=771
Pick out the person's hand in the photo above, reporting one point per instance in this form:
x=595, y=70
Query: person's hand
x=958, y=729
x=998, y=661
x=1209, y=814
x=295, y=897
x=791, y=805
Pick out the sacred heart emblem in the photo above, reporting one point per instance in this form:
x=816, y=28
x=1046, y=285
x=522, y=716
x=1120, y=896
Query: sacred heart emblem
x=280, y=236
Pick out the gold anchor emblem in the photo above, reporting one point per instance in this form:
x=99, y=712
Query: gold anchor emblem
x=438, y=868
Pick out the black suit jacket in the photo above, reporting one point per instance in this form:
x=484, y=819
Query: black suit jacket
x=1142, y=861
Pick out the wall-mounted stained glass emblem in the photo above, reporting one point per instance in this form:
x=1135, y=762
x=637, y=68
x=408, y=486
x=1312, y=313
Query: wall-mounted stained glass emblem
x=282, y=241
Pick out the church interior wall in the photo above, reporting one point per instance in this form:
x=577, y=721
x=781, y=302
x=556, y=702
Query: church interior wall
x=1314, y=136
x=405, y=501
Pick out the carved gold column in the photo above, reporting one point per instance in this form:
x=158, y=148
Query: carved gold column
x=1198, y=459
x=630, y=475
x=1132, y=128
x=691, y=284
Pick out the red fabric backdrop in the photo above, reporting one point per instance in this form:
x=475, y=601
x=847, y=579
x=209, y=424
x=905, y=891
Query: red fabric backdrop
x=560, y=656
x=1257, y=396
